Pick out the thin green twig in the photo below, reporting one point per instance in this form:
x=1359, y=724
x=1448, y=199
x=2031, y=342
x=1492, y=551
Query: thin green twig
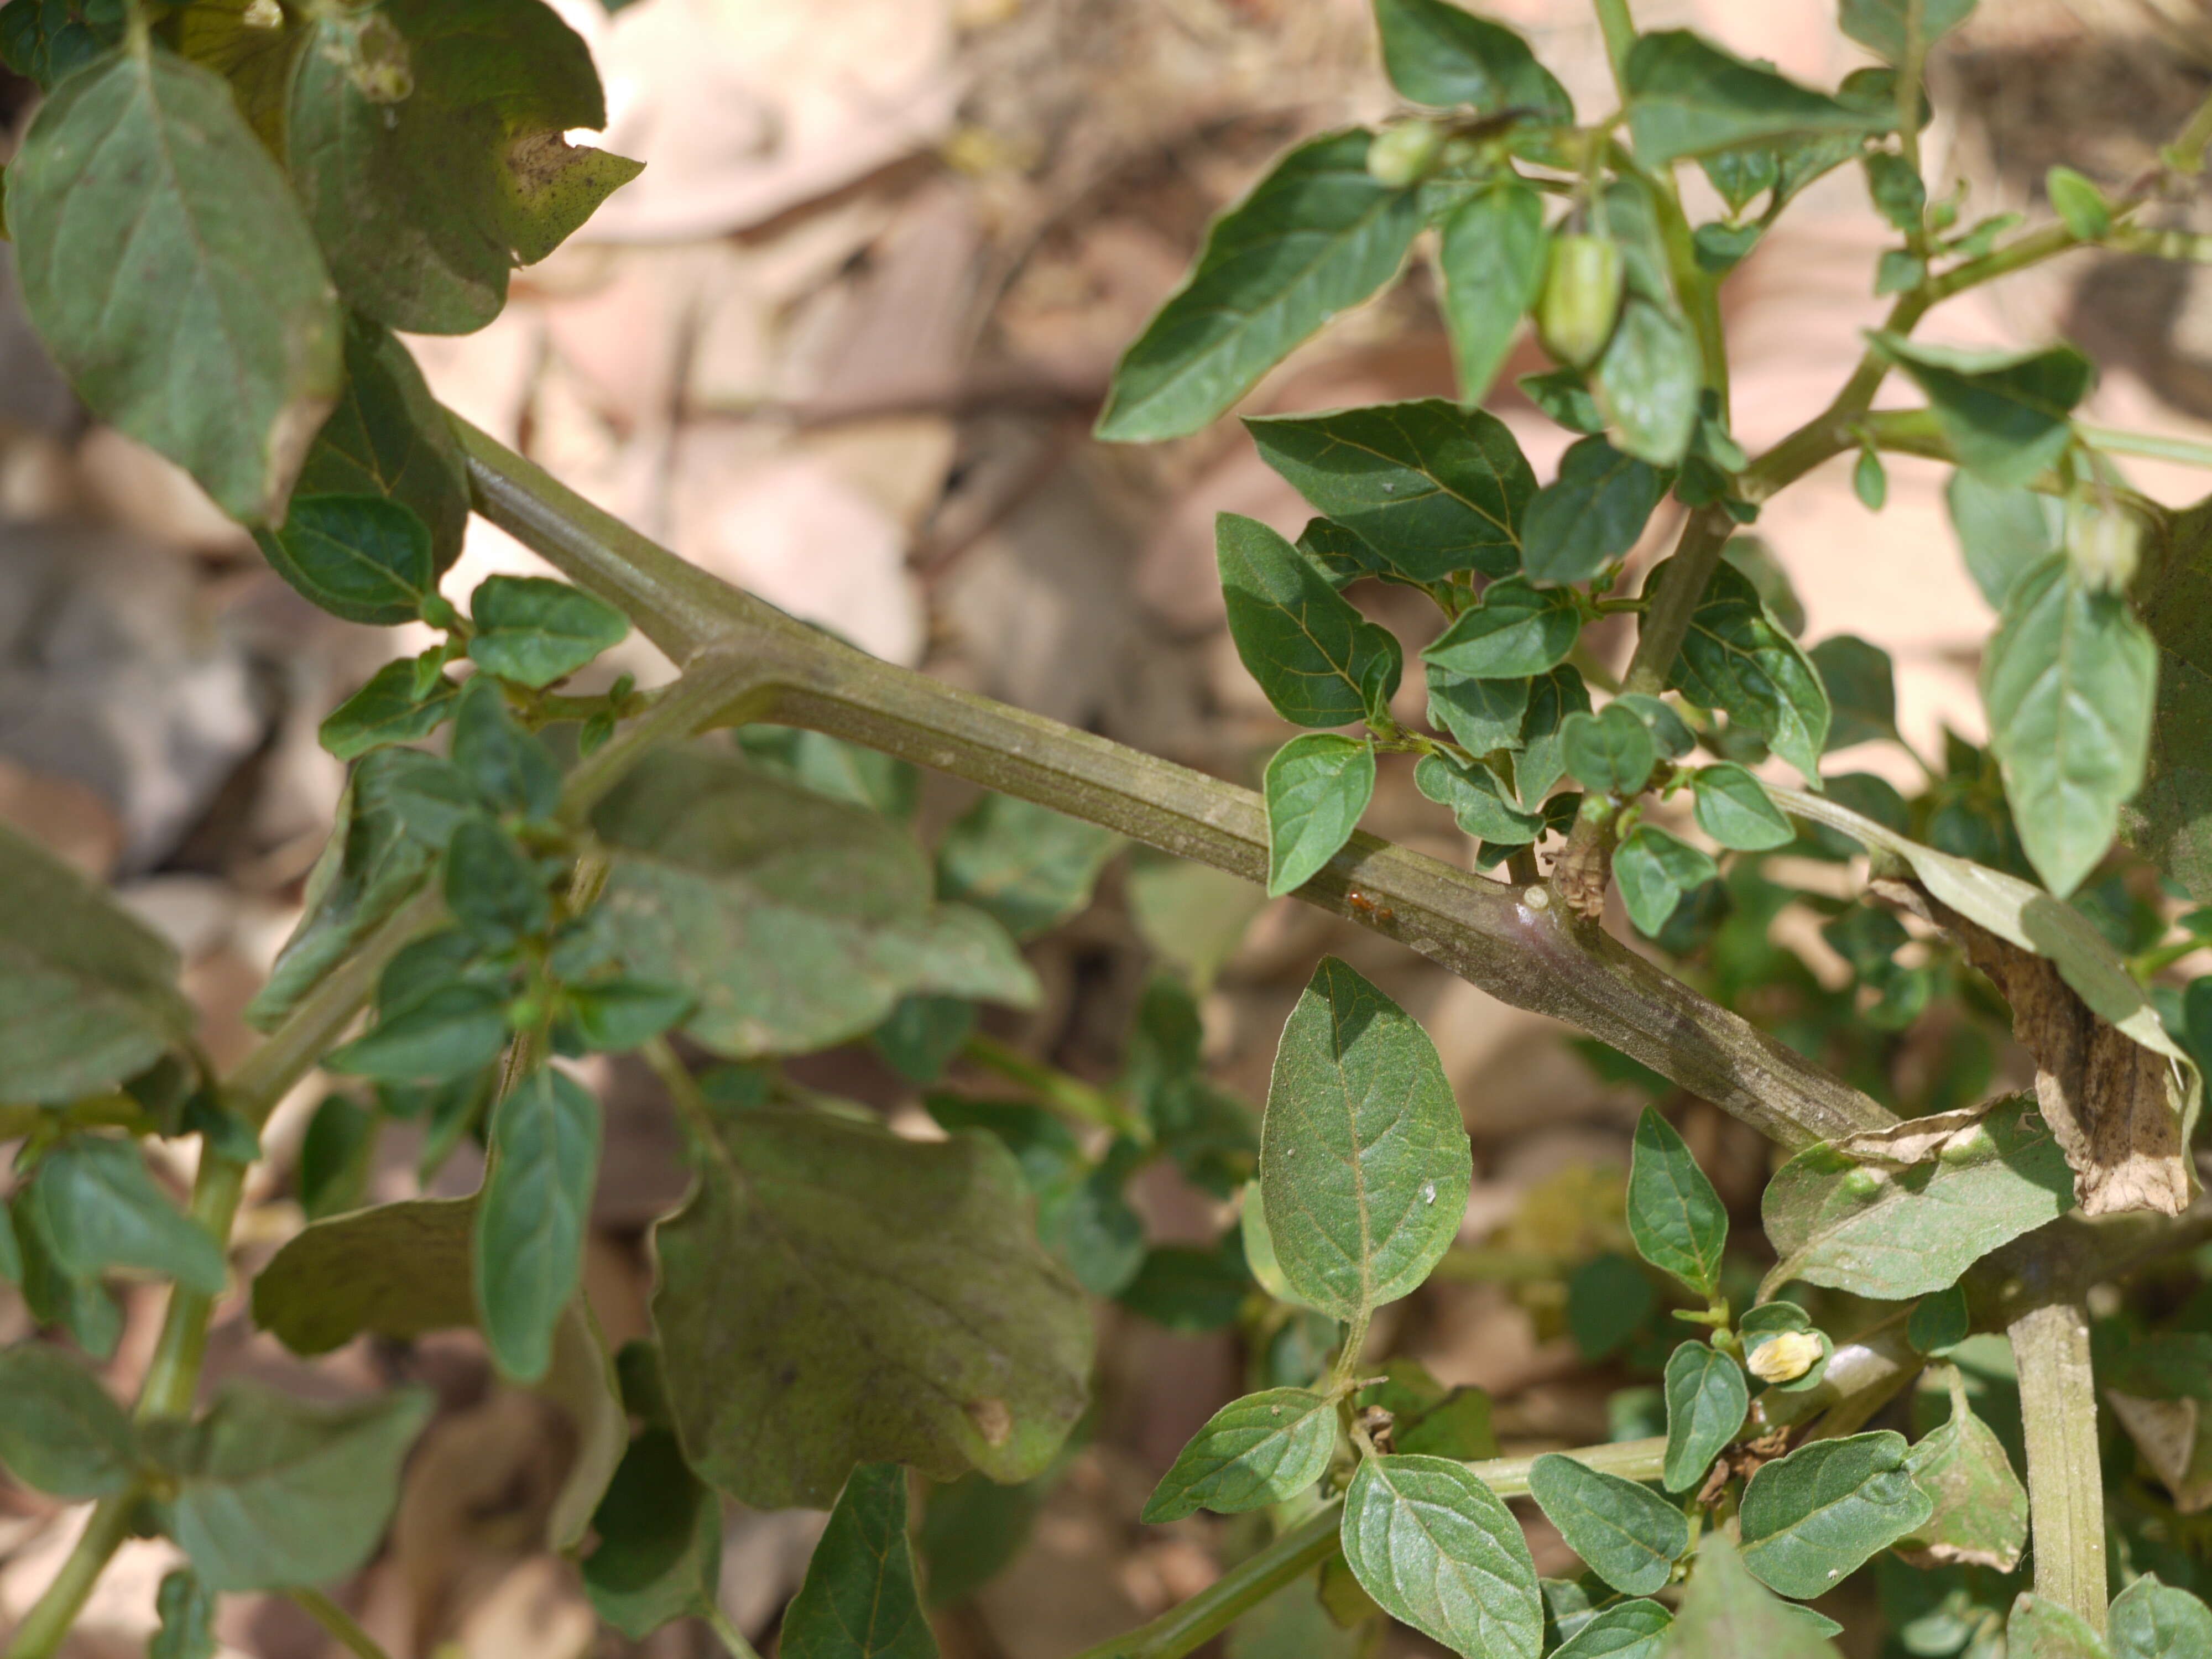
x=338, y=1622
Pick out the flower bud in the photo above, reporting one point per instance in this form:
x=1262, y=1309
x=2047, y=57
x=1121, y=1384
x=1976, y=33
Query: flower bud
x=2105, y=543
x=1580, y=300
x=1786, y=1358
x=1404, y=153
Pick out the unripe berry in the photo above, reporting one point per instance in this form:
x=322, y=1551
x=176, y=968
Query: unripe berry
x=1404, y=153
x=1580, y=300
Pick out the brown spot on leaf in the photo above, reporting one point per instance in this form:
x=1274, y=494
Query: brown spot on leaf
x=2111, y=1102
x=992, y=1420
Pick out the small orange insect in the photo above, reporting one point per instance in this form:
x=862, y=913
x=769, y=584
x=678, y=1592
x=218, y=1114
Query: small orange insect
x=1367, y=907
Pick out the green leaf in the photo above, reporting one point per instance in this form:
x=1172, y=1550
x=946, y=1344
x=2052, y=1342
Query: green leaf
x=1183, y=1289
x=860, y=1599
x=794, y=921
x=1629, y=1535
x=1811, y=1519
x=615, y=1016
x=535, y=631
x=1563, y=394
x=2039, y=1628
x=2005, y=531
x=2006, y=414
x=1707, y=1399
x=1551, y=698
x=1315, y=237
x=455, y=1029
x=1264, y=1448
x=398, y=1270
x=1862, y=689
x=2069, y=682
x=1438, y=1550
x=660, y=1528
x=1477, y=799
x=1675, y=1217
x=510, y=768
x=1517, y=631
x=962, y=1344
x=1439, y=55
x=829, y=766
x=1342, y=557
x=1317, y=785
x=1027, y=866
x=88, y=991
x=169, y=270
x=334, y=1157
x=360, y=558
x=187, y=1615
x=1310, y=650
x=1653, y=870
x=1686, y=97
x=1610, y=752
x=388, y=437
x=1879, y=1230
x=1726, y=1614
x=1481, y=715
x=2078, y=203
x=398, y=814
x=1939, y=1322
x=1870, y=480
x=2152, y=1620
x=493, y=889
x=1980, y=1514
x=60, y=1431
x=386, y=711
x=424, y=140
x=1364, y=1166
x=1734, y=808
x=1633, y=1630
x=275, y=1491
x=1881, y=25
x=45, y=41
x=1492, y=252
x=530, y=1227
x=96, y=1207
x=1736, y=657
x=1647, y=383
x=1609, y=1300
x=1591, y=514
x=1434, y=488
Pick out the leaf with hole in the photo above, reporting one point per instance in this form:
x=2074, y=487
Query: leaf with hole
x=1707, y=1400
x=1628, y=1534
x=962, y=1345
x=1264, y=1448
x=424, y=139
x=166, y=267
x=1364, y=1165
x=1434, y=488
x=1439, y=1551
x=1810, y=1520
x=1316, y=788
x=1317, y=235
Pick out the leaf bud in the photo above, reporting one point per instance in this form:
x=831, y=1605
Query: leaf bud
x=1581, y=301
x=2105, y=543
x=1404, y=153
x=1786, y=1358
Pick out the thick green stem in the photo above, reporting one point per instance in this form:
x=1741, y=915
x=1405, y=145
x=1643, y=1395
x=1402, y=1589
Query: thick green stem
x=1299, y=1551
x=1513, y=943
x=2065, y=1480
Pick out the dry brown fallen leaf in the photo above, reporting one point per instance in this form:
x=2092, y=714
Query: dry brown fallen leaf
x=2112, y=1102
